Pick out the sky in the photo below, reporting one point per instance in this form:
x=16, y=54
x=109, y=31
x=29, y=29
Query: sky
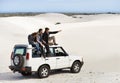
x=75, y=6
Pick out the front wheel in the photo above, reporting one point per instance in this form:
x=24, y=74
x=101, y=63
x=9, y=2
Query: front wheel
x=43, y=71
x=76, y=67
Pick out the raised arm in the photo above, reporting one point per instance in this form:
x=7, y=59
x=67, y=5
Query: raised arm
x=54, y=32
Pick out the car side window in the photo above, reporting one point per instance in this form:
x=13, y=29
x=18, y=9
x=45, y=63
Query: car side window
x=35, y=54
x=59, y=52
x=52, y=52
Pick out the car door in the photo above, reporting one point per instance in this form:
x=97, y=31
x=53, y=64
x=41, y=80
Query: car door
x=50, y=59
x=62, y=59
x=38, y=60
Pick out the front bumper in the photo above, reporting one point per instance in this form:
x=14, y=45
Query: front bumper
x=22, y=69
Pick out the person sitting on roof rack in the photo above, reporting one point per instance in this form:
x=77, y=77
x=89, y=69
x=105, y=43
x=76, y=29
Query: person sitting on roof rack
x=33, y=41
x=46, y=37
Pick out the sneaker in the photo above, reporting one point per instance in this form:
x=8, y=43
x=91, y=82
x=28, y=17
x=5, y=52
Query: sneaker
x=55, y=44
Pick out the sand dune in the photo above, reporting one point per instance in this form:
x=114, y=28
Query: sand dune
x=57, y=17
x=95, y=37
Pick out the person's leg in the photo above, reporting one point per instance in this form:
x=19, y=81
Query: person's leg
x=33, y=45
x=47, y=48
x=37, y=46
x=50, y=41
x=52, y=38
x=42, y=50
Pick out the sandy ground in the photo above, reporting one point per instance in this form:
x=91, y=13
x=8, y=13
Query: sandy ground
x=95, y=37
x=63, y=77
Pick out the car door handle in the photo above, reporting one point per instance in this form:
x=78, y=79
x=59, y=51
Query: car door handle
x=57, y=58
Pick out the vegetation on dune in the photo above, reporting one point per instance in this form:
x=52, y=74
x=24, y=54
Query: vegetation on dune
x=37, y=13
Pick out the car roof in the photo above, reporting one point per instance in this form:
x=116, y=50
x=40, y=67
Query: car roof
x=55, y=46
x=23, y=45
x=29, y=46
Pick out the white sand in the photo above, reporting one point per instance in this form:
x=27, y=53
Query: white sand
x=95, y=37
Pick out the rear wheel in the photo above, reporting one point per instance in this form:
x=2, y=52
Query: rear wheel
x=76, y=67
x=43, y=71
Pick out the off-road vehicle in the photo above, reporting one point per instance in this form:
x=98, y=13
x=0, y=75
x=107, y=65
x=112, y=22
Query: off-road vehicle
x=25, y=60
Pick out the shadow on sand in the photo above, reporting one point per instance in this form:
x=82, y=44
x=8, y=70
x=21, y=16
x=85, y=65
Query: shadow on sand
x=10, y=76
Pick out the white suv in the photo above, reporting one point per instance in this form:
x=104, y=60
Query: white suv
x=25, y=60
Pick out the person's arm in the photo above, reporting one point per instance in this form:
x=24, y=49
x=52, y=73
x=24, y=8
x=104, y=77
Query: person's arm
x=54, y=32
x=39, y=40
x=44, y=42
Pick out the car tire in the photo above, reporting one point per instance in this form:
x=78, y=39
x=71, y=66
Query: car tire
x=76, y=67
x=26, y=73
x=43, y=71
x=18, y=60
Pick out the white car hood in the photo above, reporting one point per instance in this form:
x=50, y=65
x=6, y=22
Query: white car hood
x=76, y=57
